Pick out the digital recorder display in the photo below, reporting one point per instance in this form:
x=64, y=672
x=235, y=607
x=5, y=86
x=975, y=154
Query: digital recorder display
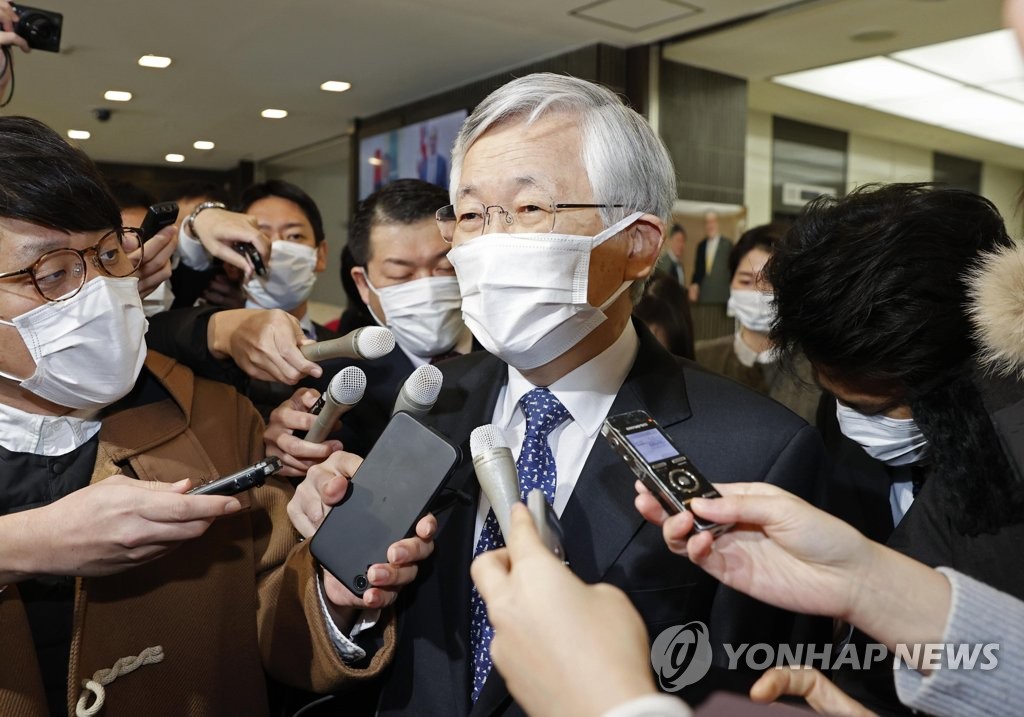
x=652, y=445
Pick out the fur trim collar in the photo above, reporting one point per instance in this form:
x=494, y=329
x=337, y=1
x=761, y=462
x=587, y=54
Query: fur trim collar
x=996, y=291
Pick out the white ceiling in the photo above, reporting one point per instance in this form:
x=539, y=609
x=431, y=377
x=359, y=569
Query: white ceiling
x=234, y=58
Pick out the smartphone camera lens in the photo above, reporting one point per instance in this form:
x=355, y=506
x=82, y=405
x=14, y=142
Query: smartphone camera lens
x=361, y=582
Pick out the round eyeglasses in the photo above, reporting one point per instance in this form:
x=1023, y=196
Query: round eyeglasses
x=60, y=274
x=467, y=220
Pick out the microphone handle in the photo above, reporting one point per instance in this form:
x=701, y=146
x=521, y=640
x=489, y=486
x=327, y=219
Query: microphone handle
x=499, y=479
x=326, y=419
x=344, y=347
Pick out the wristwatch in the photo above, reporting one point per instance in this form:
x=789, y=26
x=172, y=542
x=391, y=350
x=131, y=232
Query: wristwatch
x=189, y=221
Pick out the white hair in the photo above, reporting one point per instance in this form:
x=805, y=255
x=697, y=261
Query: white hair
x=625, y=160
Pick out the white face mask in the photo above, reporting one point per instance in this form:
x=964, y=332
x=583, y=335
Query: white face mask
x=894, y=441
x=424, y=315
x=291, y=275
x=753, y=309
x=89, y=349
x=524, y=296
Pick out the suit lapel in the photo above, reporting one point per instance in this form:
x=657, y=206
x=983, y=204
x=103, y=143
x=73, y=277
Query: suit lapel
x=599, y=519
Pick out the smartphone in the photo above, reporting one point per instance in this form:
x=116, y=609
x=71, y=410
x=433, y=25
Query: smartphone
x=546, y=521
x=655, y=460
x=390, y=491
x=251, y=477
x=249, y=251
x=157, y=217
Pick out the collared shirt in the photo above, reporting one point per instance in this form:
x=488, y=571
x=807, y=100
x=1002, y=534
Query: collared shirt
x=711, y=248
x=748, y=357
x=22, y=432
x=587, y=392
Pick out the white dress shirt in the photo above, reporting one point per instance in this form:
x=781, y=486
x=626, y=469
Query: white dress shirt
x=22, y=432
x=587, y=392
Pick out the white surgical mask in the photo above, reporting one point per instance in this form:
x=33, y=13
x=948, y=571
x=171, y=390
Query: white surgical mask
x=524, y=296
x=894, y=441
x=424, y=315
x=753, y=309
x=291, y=274
x=89, y=349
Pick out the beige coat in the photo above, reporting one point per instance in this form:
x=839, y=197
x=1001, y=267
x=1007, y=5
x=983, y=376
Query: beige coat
x=224, y=606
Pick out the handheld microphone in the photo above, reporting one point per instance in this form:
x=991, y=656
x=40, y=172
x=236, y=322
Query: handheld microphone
x=496, y=471
x=369, y=342
x=344, y=392
x=419, y=392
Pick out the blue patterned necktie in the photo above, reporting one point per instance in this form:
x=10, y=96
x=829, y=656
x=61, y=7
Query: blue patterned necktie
x=536, y=468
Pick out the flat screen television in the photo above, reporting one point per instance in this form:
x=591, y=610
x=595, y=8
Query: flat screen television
x=421, y=150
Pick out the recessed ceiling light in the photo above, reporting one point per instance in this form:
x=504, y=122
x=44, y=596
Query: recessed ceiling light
x=154, y=61
x=78, y=134
x=274, y=114
x=117, y=96
x=203, y=145
x=335, y=86
x=175, y=157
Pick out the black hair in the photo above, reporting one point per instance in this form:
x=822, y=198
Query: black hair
x=664, y=303
x=129, y=195
x=677, y=228
x=871, y=288
x=46, y=181
x=763, y=237
x=404, y=201
x=286, y=190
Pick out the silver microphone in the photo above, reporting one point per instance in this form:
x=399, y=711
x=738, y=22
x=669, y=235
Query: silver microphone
x=419, y=392
x=366, y=343
x=344, y=392
x=496, y=471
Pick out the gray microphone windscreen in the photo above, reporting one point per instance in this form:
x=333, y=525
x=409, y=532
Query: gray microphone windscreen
x=375, y=341
x=424, y=385
x=484, y=438
x=348, y=385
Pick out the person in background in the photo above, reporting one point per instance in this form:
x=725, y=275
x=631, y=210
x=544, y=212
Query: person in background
x=671, y=261
x=355, y=315
x=711, y=268
x=665, y=310
x=748, y=356
x=8, y=38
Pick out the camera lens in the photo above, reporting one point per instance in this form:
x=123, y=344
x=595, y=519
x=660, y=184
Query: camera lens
x=361, y=582
x=38, y=27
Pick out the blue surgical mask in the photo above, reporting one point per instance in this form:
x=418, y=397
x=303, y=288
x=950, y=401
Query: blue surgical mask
x=893, y=441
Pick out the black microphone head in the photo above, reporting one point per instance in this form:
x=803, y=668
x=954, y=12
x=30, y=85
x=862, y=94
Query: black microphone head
x=486, y=438
x=372, y=342
x=348, y=385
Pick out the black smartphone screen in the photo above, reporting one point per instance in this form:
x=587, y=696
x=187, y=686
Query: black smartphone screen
x=401, y=475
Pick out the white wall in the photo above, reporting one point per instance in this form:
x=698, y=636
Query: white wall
x=872, y=160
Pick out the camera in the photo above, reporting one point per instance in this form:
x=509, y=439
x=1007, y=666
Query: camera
x=662, y=467
x=102, y=114
x=41, y=28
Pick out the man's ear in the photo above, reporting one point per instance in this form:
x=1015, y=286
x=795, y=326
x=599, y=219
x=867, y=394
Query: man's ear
x=321, y=257
x=359, y=277
x=646, y=237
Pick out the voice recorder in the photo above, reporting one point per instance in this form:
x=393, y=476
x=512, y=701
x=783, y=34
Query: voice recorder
x=662, y=467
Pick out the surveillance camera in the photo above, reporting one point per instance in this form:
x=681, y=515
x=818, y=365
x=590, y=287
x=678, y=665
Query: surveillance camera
x=102, y=114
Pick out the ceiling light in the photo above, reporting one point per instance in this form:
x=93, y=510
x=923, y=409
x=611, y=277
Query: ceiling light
x=975, y=60
x=203, y=145
x=117, y=96
x=154, y=61
x=274, y=114
x=874, y=79
x=335, y=86
x=78, y=134
x=174, y=157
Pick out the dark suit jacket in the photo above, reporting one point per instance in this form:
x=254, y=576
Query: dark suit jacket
x=731, y=434
x=714, y=286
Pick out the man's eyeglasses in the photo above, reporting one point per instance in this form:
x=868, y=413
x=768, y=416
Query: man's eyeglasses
x=467, y=220
x=60, y=274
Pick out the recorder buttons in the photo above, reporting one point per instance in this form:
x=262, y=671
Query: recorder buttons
x=682, y=479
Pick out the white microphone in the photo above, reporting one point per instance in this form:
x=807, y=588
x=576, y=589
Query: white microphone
x=496, y=471
x=344, y=392
x=369, y=342
x=419, y=392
